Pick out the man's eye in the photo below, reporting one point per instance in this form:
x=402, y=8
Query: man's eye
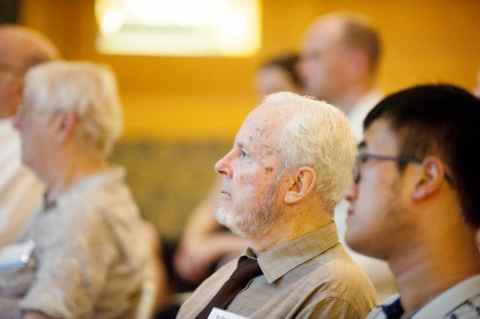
x=243, y=153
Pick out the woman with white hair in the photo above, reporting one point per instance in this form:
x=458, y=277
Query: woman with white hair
x=92, y=250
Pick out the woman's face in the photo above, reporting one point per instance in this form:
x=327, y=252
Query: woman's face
x=273, y=79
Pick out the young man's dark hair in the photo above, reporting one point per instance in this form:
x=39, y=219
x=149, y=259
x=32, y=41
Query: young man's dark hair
x=442, y=120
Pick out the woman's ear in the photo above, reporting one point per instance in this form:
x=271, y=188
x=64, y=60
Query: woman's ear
x=302, y=183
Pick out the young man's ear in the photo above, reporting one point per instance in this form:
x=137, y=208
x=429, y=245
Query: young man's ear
x=64, y=124
x=301, y=184
x=430, y=179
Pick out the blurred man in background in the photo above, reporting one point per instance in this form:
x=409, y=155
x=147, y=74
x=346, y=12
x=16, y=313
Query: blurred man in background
x=20, y=190
x=339, y=64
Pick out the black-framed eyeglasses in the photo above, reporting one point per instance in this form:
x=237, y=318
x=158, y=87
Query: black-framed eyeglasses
x=401, y=160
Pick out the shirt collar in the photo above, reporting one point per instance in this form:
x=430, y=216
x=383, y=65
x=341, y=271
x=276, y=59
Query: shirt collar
x=440, y=306
x=366, y=103
x=359, y=112
x=393, y=309
x=447, y=301
x=88, y=183
x=287, y=255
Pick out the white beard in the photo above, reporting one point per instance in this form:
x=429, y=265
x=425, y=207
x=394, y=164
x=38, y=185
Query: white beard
x=228, y=220
x=254, y=224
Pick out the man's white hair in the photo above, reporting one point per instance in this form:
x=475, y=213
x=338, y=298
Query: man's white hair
x=318, y=135
x=87, y=89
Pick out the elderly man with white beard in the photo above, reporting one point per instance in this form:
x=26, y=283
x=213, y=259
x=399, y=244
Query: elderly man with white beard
x=290, y=164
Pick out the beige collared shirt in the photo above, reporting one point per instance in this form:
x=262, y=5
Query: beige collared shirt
x=92, y=255
x=310, y=277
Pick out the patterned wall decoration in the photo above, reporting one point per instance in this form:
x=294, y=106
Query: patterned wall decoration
x=169, y=179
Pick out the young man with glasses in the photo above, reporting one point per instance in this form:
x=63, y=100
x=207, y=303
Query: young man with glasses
x=415, y=203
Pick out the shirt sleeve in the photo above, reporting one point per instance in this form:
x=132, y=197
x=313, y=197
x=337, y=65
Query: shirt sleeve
x=331, y=307
x=73, y=270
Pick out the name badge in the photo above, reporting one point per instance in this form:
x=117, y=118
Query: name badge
x=222, y=314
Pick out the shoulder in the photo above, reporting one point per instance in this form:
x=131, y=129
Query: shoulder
x=338, y=280
x=335, y=267
x=99, y=205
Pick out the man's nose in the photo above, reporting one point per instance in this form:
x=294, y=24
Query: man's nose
x=351, y=192
x=223, y=167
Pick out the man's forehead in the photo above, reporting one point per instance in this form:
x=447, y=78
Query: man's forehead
x=324, y=33
x=259, y=128
x=256, y=125
x=381, y=137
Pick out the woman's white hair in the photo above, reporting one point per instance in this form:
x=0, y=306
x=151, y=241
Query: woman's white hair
x=87, y=89
x=318, y=135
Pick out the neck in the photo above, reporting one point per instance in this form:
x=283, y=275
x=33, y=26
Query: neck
x=430, y=268
x=294, y=223
x=348, y=98
x=77, y=167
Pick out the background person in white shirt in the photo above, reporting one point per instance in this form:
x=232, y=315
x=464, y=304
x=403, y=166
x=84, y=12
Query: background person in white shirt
x=20, y=190
x=476, y=90
x=415, y=200
x=339, y=63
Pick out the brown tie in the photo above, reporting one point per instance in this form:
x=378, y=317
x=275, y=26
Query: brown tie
x=247, y=269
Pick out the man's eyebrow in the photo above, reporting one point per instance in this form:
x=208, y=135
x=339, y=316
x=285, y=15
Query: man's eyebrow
x=239, y=144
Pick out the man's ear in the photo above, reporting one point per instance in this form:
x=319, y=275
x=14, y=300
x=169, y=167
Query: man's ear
x=300, y=185
x=11, y=97
x=64, y=124
x=430, y=179
x=358, y=62
x=17, y=94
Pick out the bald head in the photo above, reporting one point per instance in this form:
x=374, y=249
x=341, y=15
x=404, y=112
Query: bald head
x=340, y=51
x=351, y=31
x=20, y=49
